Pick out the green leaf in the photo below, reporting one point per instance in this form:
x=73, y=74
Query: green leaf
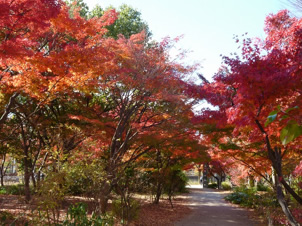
x=290, y=109
x=290, y=132
x=284, y=117
x=271, y=117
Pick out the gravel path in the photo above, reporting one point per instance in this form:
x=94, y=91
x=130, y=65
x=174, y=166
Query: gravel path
x=209, y=208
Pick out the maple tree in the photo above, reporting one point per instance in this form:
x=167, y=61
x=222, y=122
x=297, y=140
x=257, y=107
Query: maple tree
x=40, y=44
x=70, y=87
x=132, y=103
x=254, y=90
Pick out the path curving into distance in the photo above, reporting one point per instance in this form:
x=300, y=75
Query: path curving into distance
x=209, y=208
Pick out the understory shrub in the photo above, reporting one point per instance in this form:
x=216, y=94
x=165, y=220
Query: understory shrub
x=226, y=185
x=237, y=197
x=83, y=178
x=247, y=197
x=262, y=187
x=50, y=197
x=176, y=182
x=213, y=185
x=125, y=211
x=78, y=215
x=13, y=189
x=265, y=203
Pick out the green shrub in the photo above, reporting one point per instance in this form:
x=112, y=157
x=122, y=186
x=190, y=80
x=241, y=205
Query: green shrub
x=2, y=191
x=12, y=190
x=50, y=197
x=85, y=178
x=5, y=217
x=237, y=197
x=77, y=215
x=125, y=211
x=247, y=197
x=175, y=182
x=226, y=185
x=213, y=185
x=262, y=187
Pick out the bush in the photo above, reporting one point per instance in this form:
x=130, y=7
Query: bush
x=77, y=215
x=226, y=185
x=125, y=211
x=175, y=182
x=247, y=197
x=50, y=197
x=12, y=190
x=213, y=185
x=262, y=187
x=85, y=178
x=237, y=197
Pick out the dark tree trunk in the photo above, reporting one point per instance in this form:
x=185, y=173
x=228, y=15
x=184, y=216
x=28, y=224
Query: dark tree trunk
x=26, y=179
x=104, y=203
x=2, y=179
x=205, y=175
x=251, y=181
x=158, y=193
x=106, y=189
x=275, y=156
x=2, y=170
x=33, y=179
x=199, y=176
x=283, y=204
x=218, y=182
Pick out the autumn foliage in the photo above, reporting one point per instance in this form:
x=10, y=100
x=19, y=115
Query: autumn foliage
x=71, y=93
x=258, y=97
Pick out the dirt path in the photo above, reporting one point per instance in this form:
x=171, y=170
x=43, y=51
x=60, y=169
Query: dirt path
x=209, y=208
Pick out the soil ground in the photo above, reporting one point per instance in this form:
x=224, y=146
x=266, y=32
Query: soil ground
x=199, y=207
x=15, y=210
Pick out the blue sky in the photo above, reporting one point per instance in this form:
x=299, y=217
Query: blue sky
x=208, y=26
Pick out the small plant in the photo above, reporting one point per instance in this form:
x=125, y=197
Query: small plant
x=247, y=197
x=2, y=191
x=5, y=217
x=125, y=211
x=237, y=197
x=213, y=185
x=226, y=185
x=262, y=187
x=50, y=196
x=12, y=190
x=77, y=216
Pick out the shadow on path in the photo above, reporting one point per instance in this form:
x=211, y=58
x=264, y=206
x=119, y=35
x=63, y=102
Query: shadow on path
x=209, y=208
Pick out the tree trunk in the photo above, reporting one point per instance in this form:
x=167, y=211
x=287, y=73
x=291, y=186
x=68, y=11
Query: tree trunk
x=104, y=198
x=275, y=156
x=158, y=193
x=283, y=204
x=33, y=179
x=104, y=203
x=2, y=170
x=199, y=176
x=205, y=175
x=251, y=181
x=26, y=179
x=219, y=181
x=2, y=180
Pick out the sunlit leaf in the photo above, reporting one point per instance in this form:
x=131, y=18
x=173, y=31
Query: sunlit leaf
x=271, y=117
x=291, y=131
